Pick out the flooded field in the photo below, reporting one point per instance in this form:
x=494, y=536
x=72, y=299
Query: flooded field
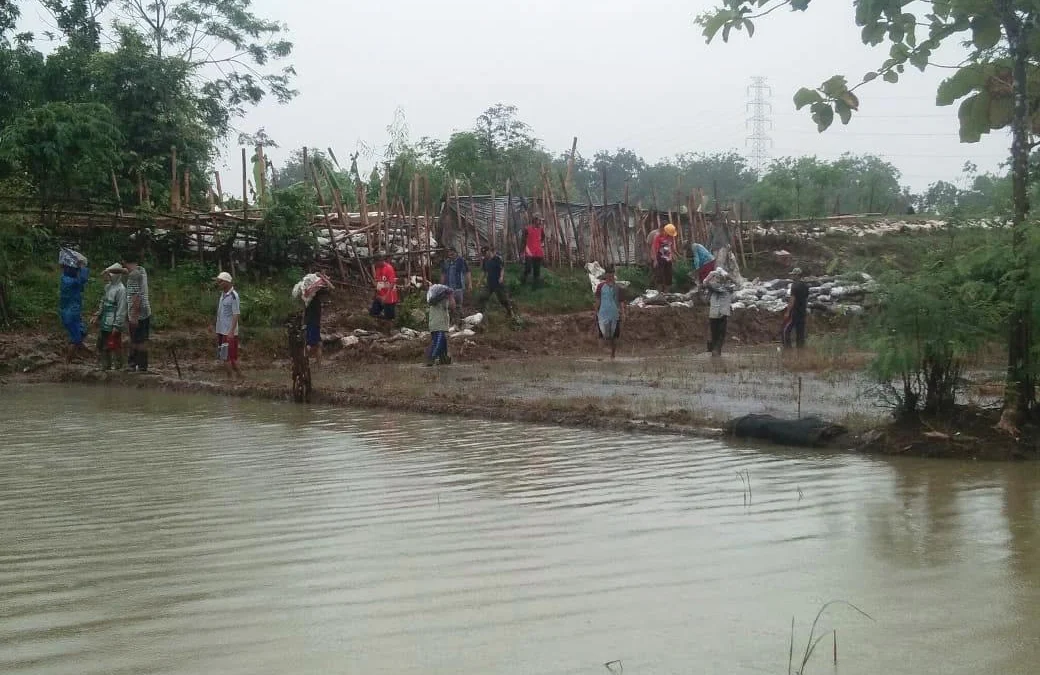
x=145, y=532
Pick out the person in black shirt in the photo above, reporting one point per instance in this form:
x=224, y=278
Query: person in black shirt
x=494, y=281
x=797, y=309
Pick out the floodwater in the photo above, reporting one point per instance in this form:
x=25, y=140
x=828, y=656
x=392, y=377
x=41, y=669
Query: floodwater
x=143, y=532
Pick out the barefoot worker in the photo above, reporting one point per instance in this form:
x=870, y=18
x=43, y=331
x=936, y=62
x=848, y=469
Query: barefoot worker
x=138, y=313
x=384, y=304
x=720, y=293
x=74, y=275
x=226, y=327
x=609, y=306
x=111, y=318
x=312, y=290
x=662, y=253
x=494, y=281
x=440, y=300
x=532, y=241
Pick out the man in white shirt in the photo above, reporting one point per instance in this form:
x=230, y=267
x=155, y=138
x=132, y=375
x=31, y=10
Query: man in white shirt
x=226, y=327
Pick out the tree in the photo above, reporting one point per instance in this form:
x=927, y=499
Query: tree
x=1001, y=40
x=228, y=51
x=63, y=149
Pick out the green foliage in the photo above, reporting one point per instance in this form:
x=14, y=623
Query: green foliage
x=930, y=322
x=285, y=235
x=982, y=81
x=64, y=148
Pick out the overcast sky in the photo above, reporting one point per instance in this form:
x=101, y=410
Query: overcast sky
x=614, y=73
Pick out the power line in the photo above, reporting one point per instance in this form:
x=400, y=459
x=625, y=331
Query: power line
x=759, y=110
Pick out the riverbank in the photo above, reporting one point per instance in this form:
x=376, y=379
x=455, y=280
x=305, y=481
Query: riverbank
x=645, y=391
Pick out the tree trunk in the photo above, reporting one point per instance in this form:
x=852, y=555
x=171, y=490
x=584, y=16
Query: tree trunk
x=1019, y=390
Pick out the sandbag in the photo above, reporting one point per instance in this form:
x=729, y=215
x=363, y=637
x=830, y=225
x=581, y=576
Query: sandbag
x=437, y=293
x=805, y=432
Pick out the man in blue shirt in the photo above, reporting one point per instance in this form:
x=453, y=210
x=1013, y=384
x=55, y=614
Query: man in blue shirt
x=455, y=275
x=494, y=281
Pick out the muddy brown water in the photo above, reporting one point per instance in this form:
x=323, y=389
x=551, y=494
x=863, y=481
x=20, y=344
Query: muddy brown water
x=145, y=532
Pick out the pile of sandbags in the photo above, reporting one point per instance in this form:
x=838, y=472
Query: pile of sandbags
x=843, y=294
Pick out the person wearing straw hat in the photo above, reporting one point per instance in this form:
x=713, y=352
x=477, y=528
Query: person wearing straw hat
x=111, y=318
x=226, y=326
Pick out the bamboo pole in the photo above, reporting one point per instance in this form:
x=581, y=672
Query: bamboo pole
x=606, y=233
x=115, y=188
x=494, y=218
x=345, y=224
x=325, y=213
x=508, y=233
x=427, y=211
x=187, y=189
x=261, y=163
x=624, y=228
x=561, y=232
x=473, y=214
x=220, y=190
x=245, y=188
x=175, y=197
x=570, y=213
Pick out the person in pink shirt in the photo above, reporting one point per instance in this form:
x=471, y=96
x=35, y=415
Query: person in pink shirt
x=532, y=241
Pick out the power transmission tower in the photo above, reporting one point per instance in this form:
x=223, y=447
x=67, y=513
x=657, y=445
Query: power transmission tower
x=759, y=120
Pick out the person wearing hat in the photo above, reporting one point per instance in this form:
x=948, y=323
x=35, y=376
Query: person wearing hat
x=797, y=311
x=532, y=241
x=111, y=318
x=609, y=305
x=138, y=313
x=662, y=254
x=74, y=275
x=226, y=327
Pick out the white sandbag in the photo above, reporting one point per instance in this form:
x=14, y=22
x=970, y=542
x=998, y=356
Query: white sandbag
x=350, y=341
x=461, y=333
x=474, y=319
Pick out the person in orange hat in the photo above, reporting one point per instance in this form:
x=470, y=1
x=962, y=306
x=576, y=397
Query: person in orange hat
x=662, y=254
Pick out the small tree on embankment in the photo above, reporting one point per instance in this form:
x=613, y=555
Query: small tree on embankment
x=930, y=324
x=1001, y=59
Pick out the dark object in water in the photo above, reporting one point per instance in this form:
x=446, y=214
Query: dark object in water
x=807, y=431
x=301, y=367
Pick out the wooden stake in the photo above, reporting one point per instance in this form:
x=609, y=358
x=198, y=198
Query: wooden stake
x=261, y=163
x=220, y=190
x=175, y=197
x=328, y=223
x=187, y=189
x=115, y=188
x=629, y=258
x=245, y=188
x=494, y=218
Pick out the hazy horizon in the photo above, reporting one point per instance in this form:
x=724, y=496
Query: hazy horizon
x=611, y=73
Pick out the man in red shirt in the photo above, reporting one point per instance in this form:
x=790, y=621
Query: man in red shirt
x=384, y=304
x=532, y=241
x=662, y=252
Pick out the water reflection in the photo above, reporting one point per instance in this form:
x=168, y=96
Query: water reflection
x=172, y=534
